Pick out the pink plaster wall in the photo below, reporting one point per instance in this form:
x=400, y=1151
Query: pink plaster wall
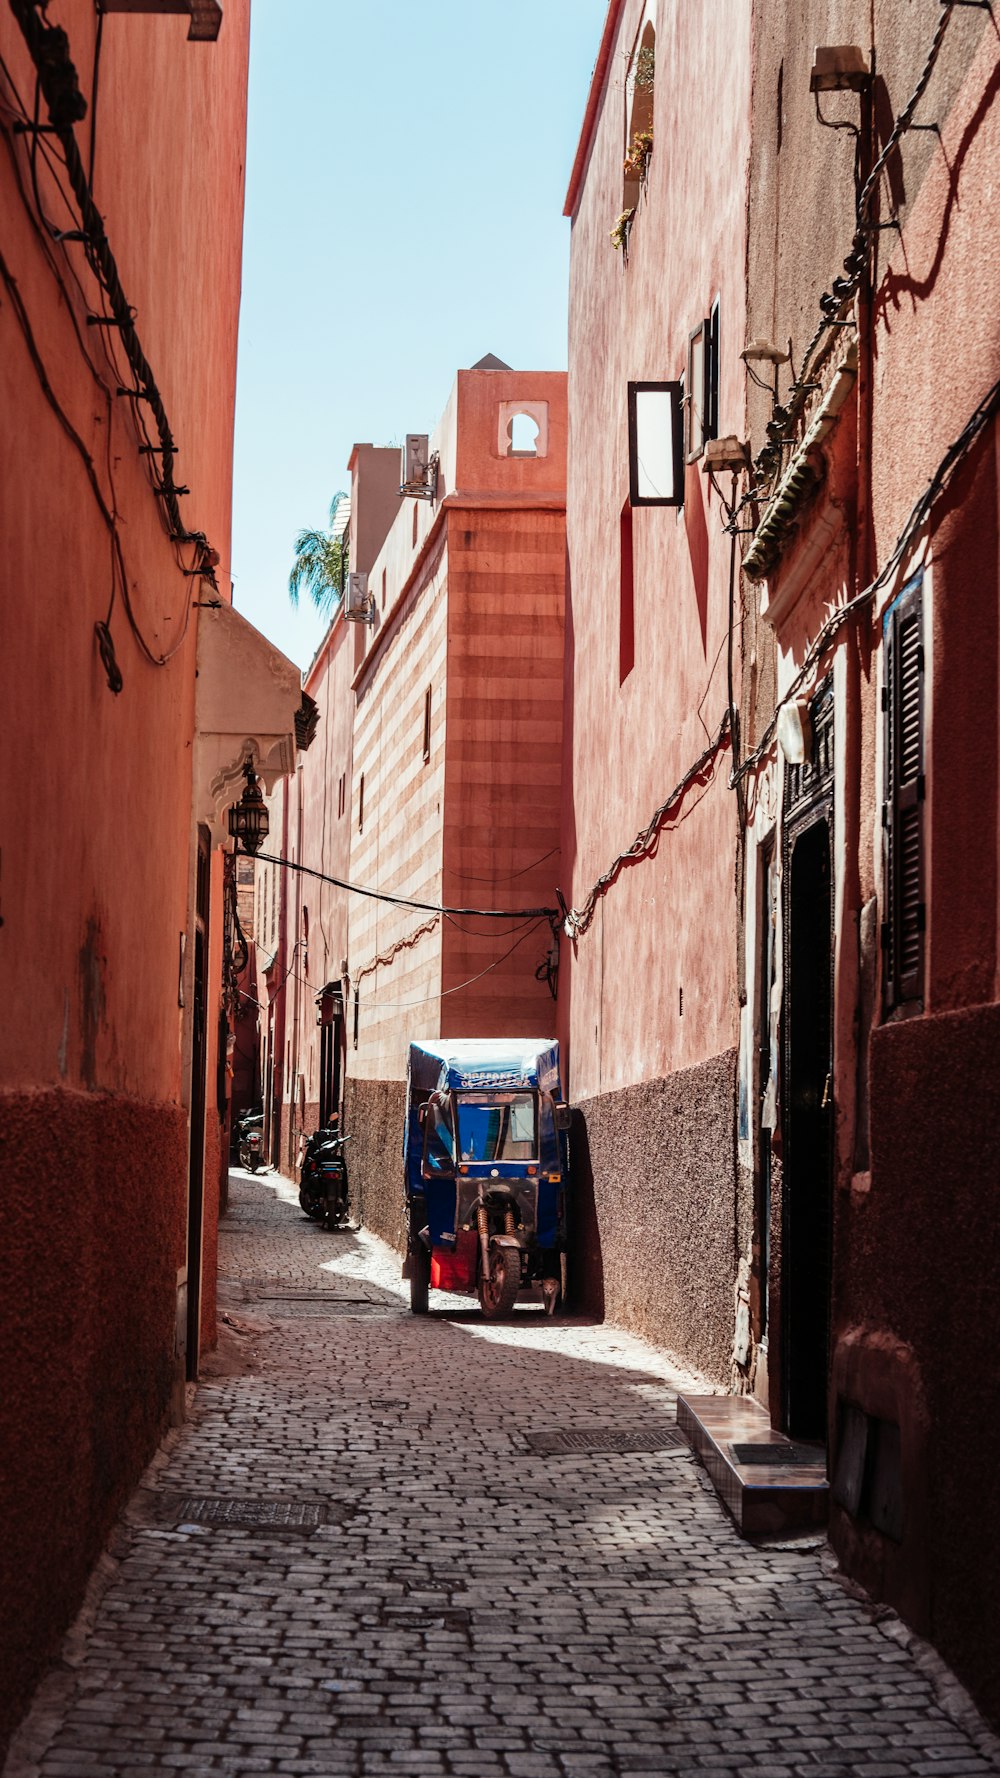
x=668, y=924
x=319, y=836
x=96, y=805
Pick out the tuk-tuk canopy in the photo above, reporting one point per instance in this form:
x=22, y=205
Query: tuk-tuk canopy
x=440, y=1064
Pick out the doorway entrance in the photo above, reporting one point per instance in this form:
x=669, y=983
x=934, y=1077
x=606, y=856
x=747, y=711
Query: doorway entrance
x=807, y=1081
x=196, y=1151
x=331, y=1047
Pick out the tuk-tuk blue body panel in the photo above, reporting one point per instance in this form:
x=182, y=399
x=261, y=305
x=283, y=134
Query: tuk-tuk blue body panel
x=479, y=1065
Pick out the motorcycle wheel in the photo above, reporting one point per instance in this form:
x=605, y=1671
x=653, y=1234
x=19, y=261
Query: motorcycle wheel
x=498, y=1296
x=336, y=1207
x=420, y=1279
x=253, y=1164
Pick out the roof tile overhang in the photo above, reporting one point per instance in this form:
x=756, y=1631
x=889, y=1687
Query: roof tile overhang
x=247, y=696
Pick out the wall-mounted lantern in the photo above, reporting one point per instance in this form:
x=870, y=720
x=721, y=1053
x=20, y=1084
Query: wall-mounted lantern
x=795, y=732
x=330, y=1004
x=248, y=819
x=655, y=444
x=839, y=68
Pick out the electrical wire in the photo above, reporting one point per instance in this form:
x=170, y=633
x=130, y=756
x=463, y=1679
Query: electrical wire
x=391, y=952
x=94, y=79
x=472, y=932
x=404, y=1005
x=21, y=315
x=424, y=999
x=507, y=876
x=844, y=288
x=47, y=232
x=406, y=901
x=919, y=512
x=57, y=76
x=576, y=920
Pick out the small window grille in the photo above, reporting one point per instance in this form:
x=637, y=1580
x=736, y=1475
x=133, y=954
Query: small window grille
x=427, y=725
x=903, y=805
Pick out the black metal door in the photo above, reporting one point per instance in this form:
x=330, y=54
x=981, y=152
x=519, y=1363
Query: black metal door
x=807, y=1121
x=766, y=962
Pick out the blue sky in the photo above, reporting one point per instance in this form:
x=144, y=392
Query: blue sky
x=406, y=172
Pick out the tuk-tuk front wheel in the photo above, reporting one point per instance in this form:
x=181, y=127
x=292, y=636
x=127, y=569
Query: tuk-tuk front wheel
x=420, y=1279
x=498, y=1293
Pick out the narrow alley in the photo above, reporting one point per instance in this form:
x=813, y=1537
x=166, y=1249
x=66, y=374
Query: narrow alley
x=356, y=1557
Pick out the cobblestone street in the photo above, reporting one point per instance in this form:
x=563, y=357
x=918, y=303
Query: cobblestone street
x=455, y=1604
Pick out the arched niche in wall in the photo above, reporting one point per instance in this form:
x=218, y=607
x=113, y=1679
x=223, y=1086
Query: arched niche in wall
x=523, y=429
x=639, y=115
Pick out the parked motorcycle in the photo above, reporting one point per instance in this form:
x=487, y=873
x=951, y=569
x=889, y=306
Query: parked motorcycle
x=323, y=1189
x=250, y=1128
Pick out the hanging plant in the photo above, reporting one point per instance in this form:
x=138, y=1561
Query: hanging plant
x=622, y=229
x=637, y=159
x=645, y=68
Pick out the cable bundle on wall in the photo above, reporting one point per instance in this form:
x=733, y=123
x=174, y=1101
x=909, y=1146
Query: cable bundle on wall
x=58, y=83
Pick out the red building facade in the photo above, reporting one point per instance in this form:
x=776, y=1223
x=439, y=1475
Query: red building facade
x=456, y=753
x=118, y=316
x=780, y=1003
x=870, y=619
x=648, y=993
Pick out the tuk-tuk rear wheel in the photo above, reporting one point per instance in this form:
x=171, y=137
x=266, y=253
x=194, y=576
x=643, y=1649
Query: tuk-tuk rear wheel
x=498, y=1296
x=420, y=1279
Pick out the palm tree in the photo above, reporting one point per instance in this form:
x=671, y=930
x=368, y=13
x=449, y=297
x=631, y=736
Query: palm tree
x=321, y=559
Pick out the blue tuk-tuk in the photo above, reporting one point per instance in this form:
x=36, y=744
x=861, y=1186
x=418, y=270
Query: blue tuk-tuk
x=486, y=1165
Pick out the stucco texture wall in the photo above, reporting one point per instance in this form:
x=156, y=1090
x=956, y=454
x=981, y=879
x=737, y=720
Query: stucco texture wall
x=373, y=1116
x=924, y=1259
x=652, y=1242
x=96, y=808
x=87, y=1336
x=651, y=987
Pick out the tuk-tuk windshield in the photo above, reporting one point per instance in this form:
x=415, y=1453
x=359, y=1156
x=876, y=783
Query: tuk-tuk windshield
x=497, y=1126
x=439, y=1140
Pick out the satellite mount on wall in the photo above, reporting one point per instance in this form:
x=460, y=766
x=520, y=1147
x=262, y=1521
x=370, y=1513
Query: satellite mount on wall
x=419, y=467
x=358, y=605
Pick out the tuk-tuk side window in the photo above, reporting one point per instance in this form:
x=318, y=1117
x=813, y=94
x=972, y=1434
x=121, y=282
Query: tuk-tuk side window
x=439, y=1140
x=498, y=1127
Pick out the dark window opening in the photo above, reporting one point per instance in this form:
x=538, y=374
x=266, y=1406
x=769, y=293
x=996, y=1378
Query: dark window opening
x=331, y=1042
x=361, y=804
x=427, y=725
x=903, y=806
x=639, y=138
x=868, y=1477
x=626, y=598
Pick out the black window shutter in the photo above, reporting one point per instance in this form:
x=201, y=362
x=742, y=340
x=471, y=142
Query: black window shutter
x=903, y=808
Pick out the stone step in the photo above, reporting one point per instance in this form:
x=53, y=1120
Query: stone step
x=785, y=1495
